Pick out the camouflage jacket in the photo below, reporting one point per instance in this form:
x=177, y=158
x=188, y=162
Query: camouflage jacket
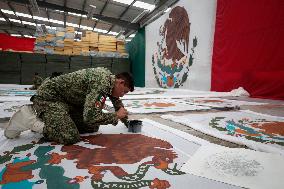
x=37, y=80
x=87, y=88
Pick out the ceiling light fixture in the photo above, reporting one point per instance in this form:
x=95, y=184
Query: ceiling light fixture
x=75, y=14
x=14, y=20
x=127, y=2
x=28, y=36
x=144, y=5
x=7, y=11
x=72, y=25
x=58, y=11
x=100, y=30
x=168, y=9
x=16, y=35
x=28, y=23
x=23, y=15
x=112, y=33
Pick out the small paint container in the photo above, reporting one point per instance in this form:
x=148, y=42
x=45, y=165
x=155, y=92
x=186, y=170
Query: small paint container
x=134, y=126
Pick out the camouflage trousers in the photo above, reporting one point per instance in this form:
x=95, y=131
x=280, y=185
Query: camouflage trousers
x=63, y=122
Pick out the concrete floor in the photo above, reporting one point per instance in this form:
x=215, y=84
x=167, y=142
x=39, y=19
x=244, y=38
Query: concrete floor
x=275, y=108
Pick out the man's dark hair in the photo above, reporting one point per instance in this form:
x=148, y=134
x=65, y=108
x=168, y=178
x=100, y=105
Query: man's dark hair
x=128, y=79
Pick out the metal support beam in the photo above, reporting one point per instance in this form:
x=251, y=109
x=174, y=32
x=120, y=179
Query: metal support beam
x=123, y=13
x=16, y=28
x=111, y=20
x=158, y=11
x=161, y=6
x=31, y=13
x=65, y=13
x=12, y=8
x=119, y=22
x=101, y=12
x=20, y=32
x=47, y=14
x=34, y=6
x=128, y=7
x=83, y=8
x=127, y=33
x=6, y=31
x=5, y=17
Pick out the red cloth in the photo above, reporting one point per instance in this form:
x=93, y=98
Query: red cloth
x=249, y=47
x=16, y=43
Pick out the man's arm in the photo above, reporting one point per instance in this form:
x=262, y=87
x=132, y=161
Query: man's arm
x=117, y=104
x=93, y=115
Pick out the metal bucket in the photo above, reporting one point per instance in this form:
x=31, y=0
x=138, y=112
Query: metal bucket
x=134, y=126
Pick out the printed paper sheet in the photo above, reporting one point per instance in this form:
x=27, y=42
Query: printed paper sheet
x=258, y=131
x=238, y=166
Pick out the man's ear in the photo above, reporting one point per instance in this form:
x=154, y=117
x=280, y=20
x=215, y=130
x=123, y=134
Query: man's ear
x=121, y=81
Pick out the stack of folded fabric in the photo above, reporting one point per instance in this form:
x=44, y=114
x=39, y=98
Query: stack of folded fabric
x=59, y=42
x=69, y=40
x=40, y=40
x=120, y=46
x=94, y=40
x=50, y=39
x=77, y=48
x=107, y=43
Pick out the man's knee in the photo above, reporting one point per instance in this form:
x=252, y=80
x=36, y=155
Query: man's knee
x=70, y=139
x=60, y=128
x=62, y=137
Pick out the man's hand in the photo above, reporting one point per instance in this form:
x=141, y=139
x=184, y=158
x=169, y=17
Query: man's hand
x=121, y=113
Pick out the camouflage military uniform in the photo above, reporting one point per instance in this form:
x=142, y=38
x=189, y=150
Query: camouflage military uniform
x=71, y=104
x=36, y=82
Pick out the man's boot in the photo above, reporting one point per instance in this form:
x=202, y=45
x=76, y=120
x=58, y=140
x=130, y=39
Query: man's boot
x=24, y=119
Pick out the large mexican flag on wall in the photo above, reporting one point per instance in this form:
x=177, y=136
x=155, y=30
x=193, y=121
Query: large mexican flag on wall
x=218, y=45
